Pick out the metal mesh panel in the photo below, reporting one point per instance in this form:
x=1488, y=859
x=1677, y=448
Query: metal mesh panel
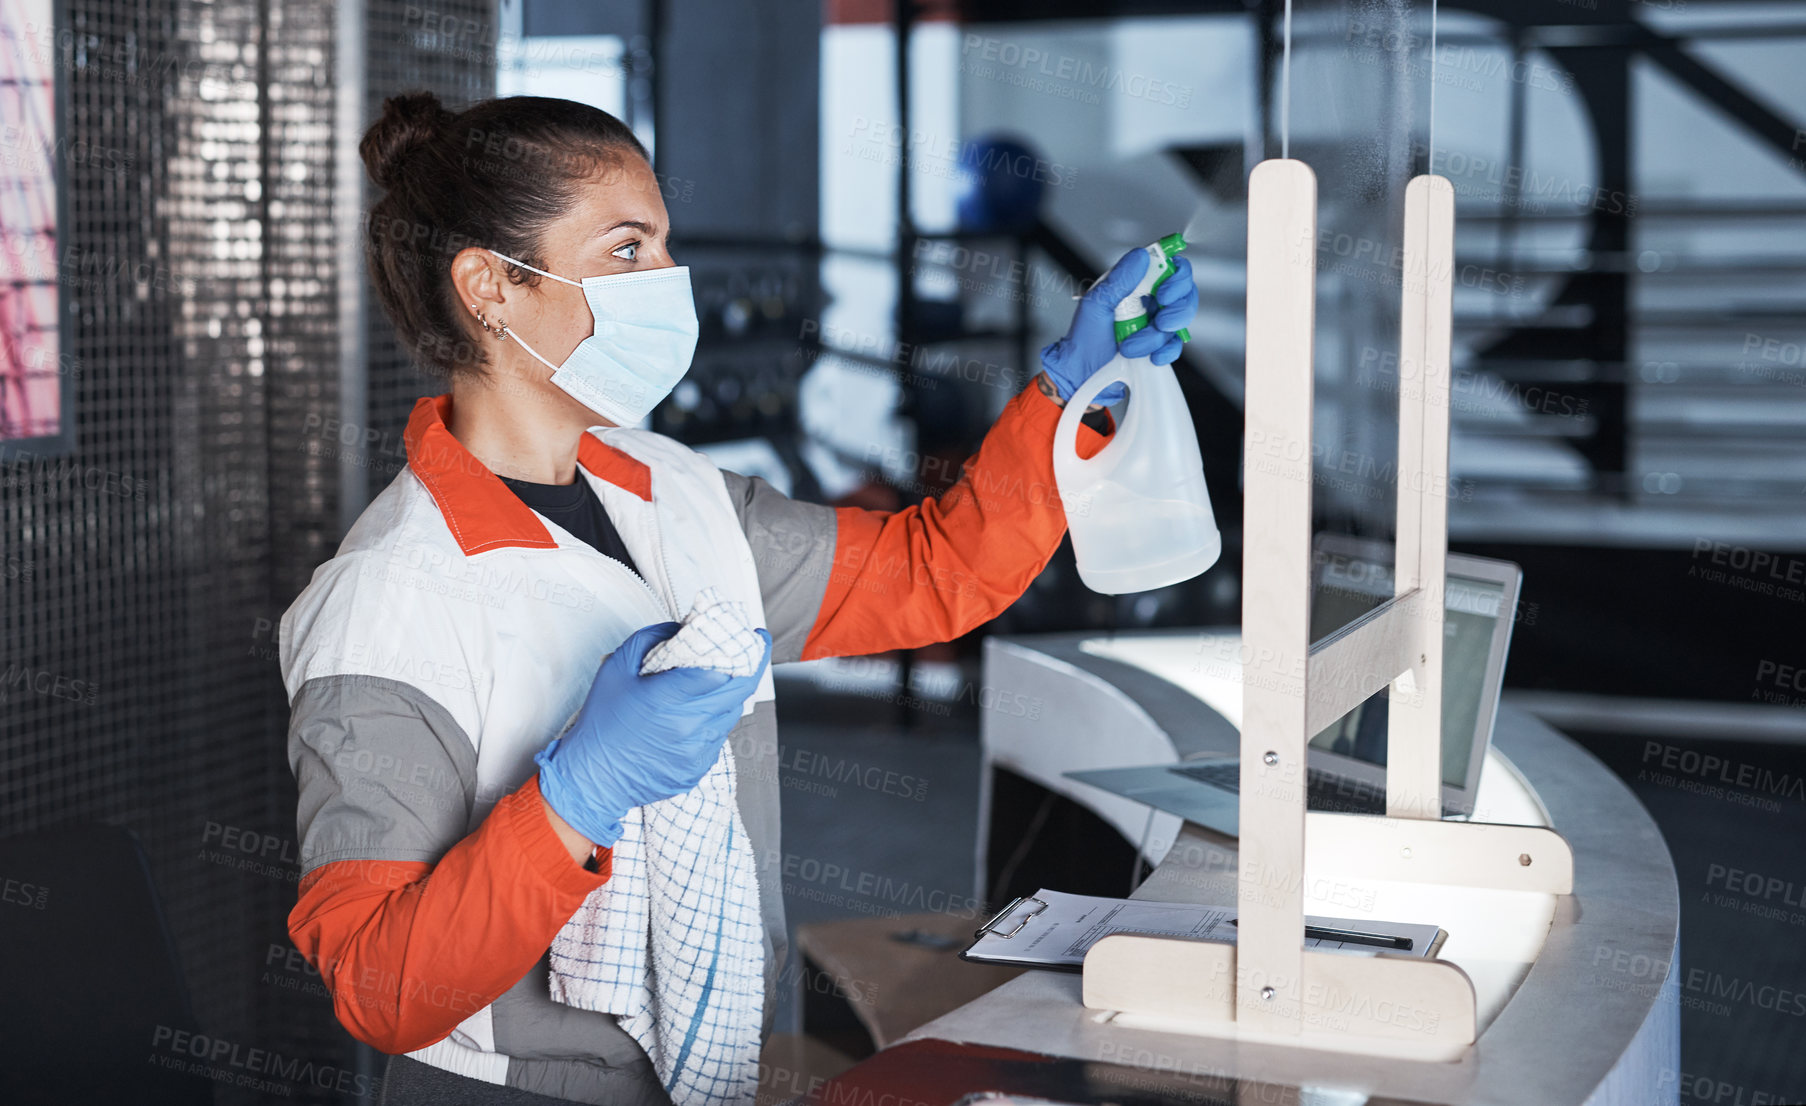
x=141, y=576
x=300, y=334
x=98, y=546
x=215, y=767
x=147, y=547
x=449, y=50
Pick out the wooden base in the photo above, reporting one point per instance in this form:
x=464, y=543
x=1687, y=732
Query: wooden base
x=1398, y=1006
x=1415, y=850
x=1386, y=1005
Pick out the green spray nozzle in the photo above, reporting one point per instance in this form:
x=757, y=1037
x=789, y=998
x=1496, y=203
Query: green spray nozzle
x=1130, y=317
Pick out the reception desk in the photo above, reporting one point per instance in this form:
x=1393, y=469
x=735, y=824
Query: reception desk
x=1575, y=993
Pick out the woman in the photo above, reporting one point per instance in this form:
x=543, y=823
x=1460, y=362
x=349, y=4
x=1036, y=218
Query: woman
x=520, y=249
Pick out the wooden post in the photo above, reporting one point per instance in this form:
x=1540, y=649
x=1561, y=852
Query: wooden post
x=1414, y=726
x=1276, y=573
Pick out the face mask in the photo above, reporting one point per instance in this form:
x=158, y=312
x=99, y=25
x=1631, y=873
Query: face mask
x=645, y=335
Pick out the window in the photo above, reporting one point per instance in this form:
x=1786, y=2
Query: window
x=32, y=361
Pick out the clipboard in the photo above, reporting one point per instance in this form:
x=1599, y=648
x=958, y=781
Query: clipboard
x=1056, y=929
x=1035, y=906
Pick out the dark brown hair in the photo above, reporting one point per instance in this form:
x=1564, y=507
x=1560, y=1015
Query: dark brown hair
x=491, y=176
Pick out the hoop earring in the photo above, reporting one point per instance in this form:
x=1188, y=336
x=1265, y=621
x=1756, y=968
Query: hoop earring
x=500, y=329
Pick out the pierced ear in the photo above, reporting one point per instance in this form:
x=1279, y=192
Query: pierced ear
x=476, y=277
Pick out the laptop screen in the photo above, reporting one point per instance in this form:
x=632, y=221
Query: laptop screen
x=1347, y=587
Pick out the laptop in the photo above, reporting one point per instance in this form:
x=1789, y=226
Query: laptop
x=1346, y=763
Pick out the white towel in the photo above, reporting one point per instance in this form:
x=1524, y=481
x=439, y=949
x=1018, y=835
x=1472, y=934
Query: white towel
x=715, y=635
x=673, y=943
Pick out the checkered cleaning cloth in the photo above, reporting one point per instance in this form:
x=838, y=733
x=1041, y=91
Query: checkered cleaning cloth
x=673, y=944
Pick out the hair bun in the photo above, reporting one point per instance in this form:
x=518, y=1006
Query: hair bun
x=409, y=123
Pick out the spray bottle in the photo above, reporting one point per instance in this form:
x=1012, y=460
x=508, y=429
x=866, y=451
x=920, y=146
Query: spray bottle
x=1138, y=510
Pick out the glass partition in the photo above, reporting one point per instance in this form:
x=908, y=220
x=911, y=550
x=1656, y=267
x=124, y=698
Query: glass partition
x=1359, y=108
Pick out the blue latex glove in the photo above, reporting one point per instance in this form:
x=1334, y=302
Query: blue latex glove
x=639, y=739
x=1091, y=341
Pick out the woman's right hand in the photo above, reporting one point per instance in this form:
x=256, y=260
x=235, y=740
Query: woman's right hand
x=639, y=739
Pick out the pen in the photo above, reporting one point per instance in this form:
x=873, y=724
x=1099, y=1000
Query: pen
x=1355, y=937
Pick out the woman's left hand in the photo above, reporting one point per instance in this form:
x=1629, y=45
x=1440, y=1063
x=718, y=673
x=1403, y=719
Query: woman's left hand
x=1090, y=342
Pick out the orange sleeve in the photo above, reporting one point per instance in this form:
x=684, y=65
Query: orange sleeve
x=931, y=572
x=409, y=950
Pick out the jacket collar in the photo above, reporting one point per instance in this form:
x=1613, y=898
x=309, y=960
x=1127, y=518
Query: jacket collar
x=480, y=510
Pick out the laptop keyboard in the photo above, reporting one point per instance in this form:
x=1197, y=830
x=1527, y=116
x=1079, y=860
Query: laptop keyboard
x=1322, y=791
x=1224, y=774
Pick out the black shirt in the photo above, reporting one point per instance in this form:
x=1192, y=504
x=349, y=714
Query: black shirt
x=575, y=507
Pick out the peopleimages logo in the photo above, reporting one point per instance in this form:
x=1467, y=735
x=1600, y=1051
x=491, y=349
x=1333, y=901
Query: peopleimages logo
x=1717, y=769
x=852, y=887
x=962, y=155
x=19, y=677
x=1747, y=569
x=229, y=1061
x=1756, y=885
x=1073, y=78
